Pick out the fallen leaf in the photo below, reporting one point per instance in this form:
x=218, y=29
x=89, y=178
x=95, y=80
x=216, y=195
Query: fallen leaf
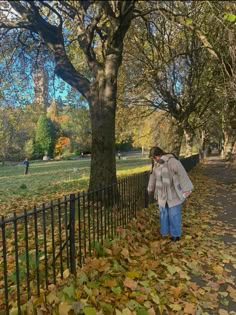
x=64, y=309
x=175, y=307
x=130, y=283
x=190, y=308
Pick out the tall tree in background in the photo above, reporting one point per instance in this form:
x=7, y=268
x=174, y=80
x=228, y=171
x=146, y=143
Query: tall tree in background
x=97, y=30
x=7, y=133
x=44, y=137
x=75, y=124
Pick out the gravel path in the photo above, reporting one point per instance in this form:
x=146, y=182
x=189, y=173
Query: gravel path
x=225, y=198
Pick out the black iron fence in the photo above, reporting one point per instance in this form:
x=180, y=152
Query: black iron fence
x=190, y=162
x=38, y=247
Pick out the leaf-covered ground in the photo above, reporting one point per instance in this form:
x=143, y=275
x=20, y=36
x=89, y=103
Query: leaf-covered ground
x=142, y=273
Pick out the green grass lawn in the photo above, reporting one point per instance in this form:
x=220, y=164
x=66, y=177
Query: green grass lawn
x=51, y=180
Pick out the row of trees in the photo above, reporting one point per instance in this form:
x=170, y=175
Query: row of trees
x=64, y=131
x=178, y=58
x=183, y=74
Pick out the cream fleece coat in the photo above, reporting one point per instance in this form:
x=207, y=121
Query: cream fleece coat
x=179, y=182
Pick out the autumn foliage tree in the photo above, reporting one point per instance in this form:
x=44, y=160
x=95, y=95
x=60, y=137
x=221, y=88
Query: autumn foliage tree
x=62, y=145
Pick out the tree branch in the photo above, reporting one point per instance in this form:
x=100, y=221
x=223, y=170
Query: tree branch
x=15, y=25
x=53, y=37
x=105, y=5
x=54, y=11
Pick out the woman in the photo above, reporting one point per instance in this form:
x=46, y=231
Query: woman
x=171, y=185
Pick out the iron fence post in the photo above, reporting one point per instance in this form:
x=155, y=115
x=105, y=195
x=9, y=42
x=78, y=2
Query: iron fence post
x=146, y=197
x=72, y=234
x=5, y=273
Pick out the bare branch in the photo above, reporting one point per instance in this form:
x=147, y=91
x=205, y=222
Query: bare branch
x=105, y=5
x=53, y=37
x=15, y=25
x=67, y=9
x=54, y=11
x=85, y=4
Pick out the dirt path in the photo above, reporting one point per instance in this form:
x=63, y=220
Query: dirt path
x=215, y=168
x=224, y=201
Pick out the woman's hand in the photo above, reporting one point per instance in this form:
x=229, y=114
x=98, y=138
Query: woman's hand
x=186, y=193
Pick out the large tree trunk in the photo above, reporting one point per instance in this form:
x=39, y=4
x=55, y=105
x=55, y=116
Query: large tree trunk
x=202, y=140
x=229, y=129
x=103, y=109
x=103, y=162
x=175, y=136
x=234, y=148
x=230, y=139
x=189, y=142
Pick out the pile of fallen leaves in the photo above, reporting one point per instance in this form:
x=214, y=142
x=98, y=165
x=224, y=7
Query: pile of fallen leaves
x=142, y=273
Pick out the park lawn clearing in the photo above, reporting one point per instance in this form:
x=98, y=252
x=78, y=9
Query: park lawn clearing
x=50, y=180
x=140, y=273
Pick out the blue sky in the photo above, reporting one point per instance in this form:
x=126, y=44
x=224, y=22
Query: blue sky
x=16, y=74
x=17, y=86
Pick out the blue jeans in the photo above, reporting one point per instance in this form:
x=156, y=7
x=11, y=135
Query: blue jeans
x=170, y=220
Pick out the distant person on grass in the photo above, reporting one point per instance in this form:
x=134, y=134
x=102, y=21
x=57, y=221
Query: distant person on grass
x=26, y=166
x=171, y=186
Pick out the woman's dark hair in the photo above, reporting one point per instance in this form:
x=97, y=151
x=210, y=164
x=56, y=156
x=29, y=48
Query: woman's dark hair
x=156, y=151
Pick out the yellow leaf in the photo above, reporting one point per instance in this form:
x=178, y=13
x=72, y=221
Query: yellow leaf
x=132, y=274
x=52, y=298
x=188, y=237
x=224, y=293
x=223, y=312
x=79, y=294
x=64, y=309
x=66, y=274
x=175, y=307
x=126, y=311
x=110, y=283
x=218, y=269
x=201, y=291
x=90, y=310
x=170, y=268
x=155, y=298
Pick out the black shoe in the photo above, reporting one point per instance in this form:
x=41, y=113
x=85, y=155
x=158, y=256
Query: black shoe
x=175, y=239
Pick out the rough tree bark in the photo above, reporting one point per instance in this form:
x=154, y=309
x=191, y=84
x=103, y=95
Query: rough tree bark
x=175, y=136
x=189, y=135
x=229, y=130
